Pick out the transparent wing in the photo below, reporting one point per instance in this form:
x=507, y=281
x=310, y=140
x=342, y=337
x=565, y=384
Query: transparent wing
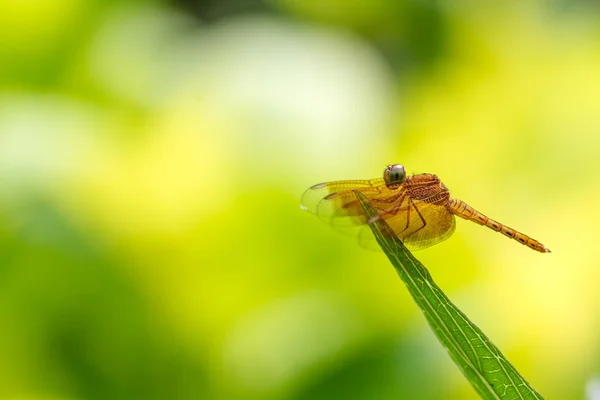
x=313, y=196
x=335, y=203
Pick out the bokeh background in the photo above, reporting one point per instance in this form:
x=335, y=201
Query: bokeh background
x=152, y=159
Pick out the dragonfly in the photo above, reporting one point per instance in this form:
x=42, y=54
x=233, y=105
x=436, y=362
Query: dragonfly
x=418, y=208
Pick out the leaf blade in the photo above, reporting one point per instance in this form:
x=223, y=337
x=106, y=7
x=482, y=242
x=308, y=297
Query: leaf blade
x=482, y=363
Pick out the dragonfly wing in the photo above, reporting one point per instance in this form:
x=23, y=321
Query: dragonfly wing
x=439, y=225
x=418, y=224
x=335, y=203
x=340, y=189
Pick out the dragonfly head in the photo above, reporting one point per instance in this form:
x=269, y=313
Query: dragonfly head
x=394, y=175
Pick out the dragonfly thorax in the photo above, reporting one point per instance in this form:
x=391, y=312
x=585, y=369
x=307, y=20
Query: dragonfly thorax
x=427, y=188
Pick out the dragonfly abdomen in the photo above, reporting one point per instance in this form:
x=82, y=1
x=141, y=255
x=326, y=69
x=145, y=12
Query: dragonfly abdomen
x=463, y=210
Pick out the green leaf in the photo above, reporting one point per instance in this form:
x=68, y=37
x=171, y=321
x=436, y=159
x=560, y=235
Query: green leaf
x=490, y=373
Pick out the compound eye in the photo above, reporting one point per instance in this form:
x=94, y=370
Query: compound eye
x=394, y=175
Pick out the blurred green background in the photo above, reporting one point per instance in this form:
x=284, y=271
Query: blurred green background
x=152, y=158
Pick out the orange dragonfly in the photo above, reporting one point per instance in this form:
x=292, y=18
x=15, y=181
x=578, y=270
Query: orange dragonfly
x=418, y=208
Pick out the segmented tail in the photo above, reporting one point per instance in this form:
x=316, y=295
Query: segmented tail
x=467, y=212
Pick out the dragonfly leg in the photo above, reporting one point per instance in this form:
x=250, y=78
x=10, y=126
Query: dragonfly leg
x=398, y=205
x=389, y=213
x=411, y=203
x=382, y=212
x=407, y=219
x=397, y=208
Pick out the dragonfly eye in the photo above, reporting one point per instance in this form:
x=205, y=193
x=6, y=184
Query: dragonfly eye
x=394, y=175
